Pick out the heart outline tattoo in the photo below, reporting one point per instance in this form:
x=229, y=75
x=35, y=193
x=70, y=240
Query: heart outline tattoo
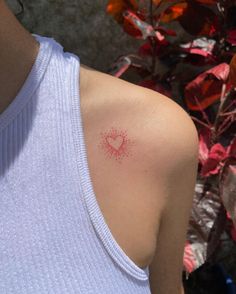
x=116, y=144
x=115, y=141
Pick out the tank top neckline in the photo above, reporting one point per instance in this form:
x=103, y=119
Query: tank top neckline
x=32, y=81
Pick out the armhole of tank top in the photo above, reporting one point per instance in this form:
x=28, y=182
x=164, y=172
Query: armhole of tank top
x=88, y=194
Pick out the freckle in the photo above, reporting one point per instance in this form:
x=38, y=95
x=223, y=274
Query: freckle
x=116, y=144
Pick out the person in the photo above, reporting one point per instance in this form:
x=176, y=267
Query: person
x=108, y=214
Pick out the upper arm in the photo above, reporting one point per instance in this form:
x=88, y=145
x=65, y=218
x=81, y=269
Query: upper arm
x=178, y=176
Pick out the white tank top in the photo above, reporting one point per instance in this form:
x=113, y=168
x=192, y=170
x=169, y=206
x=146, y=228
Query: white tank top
x=53, y=236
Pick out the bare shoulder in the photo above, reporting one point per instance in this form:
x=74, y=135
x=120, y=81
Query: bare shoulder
x=159, y=122
x=146, y=148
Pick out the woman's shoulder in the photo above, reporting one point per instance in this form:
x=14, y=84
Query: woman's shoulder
x=157, y=121
x=140, y=144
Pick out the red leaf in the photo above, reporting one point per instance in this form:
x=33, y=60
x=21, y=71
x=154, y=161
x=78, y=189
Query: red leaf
x=129, y=25
x=206, y=22
x=231, y=36
x=160, y=48
x=212, y=165
x=204, y=142
x=189, y=261
x=201, y=46
x=198, y=51
x=206, y=87
x=145, y=49
x=120, y=66
x=116, y=8
x=138, y=28
x=173, y=12
x=221, y=72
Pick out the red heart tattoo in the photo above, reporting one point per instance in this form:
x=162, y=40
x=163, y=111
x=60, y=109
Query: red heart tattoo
x=115, y=142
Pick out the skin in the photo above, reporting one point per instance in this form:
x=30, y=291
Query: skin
x=122, y=143
x=18, y=50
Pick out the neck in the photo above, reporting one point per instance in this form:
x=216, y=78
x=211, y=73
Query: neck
x=18, y=50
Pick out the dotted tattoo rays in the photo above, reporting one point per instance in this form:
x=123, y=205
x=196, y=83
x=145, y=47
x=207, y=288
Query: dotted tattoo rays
x=115, y=143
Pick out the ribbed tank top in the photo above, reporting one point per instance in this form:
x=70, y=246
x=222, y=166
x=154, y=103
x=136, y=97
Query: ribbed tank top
x=53, y=236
